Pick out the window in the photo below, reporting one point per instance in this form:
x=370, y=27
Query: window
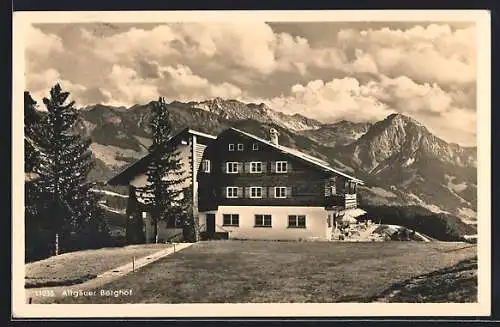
x=231, y=220
x=281, y=166
x=262, y=220
x=205, y=166
x=231, y=147
x=333, y=190
x=240, y=147
x=297, y=221
x=255, y=146
x=255, y=192
x=232, y=167
x=231, y=192
x=256, y=167
x=145, y=214
x=280, y=192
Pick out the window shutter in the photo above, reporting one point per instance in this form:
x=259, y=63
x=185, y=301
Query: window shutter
x=289, y=166
x=264, y=166
x=247, y=167
x=240, y=192
x=289, y=192
x=223, y=192
x=240, y=167
x=264, y=193
x=273, y=166
x=247, y=192
x=223, y=167
x=327, y=189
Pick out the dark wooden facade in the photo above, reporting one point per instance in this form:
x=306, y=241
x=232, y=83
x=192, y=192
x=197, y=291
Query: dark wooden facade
x=306, y=184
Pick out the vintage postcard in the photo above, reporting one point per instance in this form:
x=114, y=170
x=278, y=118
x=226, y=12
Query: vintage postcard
x=251, y=164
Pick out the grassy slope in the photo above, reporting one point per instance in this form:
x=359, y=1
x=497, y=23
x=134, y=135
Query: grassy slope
x=76, y=267
x=457, y=283
x=253, y=271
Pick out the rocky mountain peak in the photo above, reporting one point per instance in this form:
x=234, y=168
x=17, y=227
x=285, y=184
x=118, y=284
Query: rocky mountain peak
x=402, y=138
x=232, y=109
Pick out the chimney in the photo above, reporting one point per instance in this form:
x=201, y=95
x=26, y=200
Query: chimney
x=273, y=133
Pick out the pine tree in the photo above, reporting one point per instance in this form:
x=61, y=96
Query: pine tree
x=37, y=240
x=63, y=166
x=164, y=173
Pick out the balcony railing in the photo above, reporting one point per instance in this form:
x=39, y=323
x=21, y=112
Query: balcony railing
x=342, y=200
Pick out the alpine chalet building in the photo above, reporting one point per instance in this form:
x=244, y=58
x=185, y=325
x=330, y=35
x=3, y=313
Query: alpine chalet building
x=245, y=187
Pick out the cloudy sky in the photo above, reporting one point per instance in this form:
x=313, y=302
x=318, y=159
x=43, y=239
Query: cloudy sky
x=323, y=70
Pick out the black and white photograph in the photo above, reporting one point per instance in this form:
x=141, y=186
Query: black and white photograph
x=288, y=163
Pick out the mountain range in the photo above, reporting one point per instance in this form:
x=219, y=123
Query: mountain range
x=402, y=162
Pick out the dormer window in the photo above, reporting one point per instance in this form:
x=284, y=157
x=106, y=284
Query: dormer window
x=231, y=147
x=240, y=147
x=255, y=146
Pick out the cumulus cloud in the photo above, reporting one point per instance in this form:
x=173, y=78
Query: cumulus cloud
x=354, y=72
x=337, y=99
x=39, y=44
x=347, y=98
x=126, y=87
x=39, y=85
x=182, y=83
x=434, y=53
x=408, y=96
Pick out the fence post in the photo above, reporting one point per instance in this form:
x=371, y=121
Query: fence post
x=133, y=263
x=57, y=244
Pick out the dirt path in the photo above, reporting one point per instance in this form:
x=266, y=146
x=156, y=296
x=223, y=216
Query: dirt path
x=49, y=294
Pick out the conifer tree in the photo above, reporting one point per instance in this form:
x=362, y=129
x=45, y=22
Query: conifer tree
x=37, y=240
x=164, y=173
x=63, y=166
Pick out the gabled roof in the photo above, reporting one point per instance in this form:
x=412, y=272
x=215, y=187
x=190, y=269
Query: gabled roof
x=299, y=155
x=192, y=131
x=142, y=163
